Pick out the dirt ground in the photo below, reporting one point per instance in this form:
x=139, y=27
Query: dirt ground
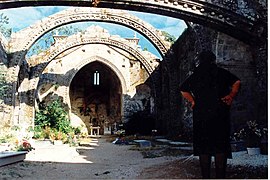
x=101, y=159
x=190, y=170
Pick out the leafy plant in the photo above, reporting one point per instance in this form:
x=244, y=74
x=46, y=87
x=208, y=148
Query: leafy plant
x=52, y=122
x=4, y=30
x=3, y=83
x=24, y=146
x=251, y=133
x=38, y=134
x=54, y=116
x=77, y=130
x=45, y=42
x=168, y=37
x=6, y=138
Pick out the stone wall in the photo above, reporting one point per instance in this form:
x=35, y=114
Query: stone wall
x=174, y=69
x=174, y=116
x=260, y=55
x=237, y=57
x=131, y=94
x=4, y=113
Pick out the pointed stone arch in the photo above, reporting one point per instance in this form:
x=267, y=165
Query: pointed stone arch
x=19, y=54
x=69, y=76
x=102, y=60
x=55, y=51
x=72, y=15
x=24, y=39
x=231, y=17
x=58, y=49
x=88, y=61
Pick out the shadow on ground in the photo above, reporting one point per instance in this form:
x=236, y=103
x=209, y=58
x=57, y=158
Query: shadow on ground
x=191, y=170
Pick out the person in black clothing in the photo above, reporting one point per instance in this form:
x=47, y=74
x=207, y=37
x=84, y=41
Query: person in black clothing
x=211, y=90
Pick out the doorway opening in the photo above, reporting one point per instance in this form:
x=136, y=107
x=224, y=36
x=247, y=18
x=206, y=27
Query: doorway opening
x=96, y=97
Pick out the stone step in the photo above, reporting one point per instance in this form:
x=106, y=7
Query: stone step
x=180, y=144
x=8, y=157
x=163, y=140
x=182, y=148
x=174, y=143
x=41, y=143
x=143, y=143
x=89, y=142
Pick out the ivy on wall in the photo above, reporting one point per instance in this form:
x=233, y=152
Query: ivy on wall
x=3, y=84
x=4, y=30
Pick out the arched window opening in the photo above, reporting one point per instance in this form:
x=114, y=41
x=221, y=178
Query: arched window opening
x=96, y=78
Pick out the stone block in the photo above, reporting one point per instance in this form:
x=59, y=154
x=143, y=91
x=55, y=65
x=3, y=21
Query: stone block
x=11, y=157
x=166, y=141
x=143, y=143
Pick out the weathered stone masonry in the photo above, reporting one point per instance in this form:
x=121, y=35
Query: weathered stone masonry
x=243, y=51
x=233, y=55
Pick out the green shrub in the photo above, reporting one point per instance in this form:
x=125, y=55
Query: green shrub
x=6, y=138
x=52, y=122
x=54, y=116
x=77, y=130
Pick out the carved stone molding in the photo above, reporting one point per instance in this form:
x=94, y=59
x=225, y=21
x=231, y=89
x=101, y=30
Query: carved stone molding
x=56, y=50
x=68, y=78
x=71, y=15
x=90, y=60
x=223, y=15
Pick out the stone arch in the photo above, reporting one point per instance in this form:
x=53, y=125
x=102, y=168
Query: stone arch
x=56, y=51
x=241, y=22
x=229, y=18
x=19, y=46
x=69, y=76
x=104, y=61
x=71, y=15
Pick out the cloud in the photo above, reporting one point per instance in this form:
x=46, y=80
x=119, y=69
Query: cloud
x=47, y=11
x=175, y=29
x=158, y=21
x=171, y=25
x=20, y=18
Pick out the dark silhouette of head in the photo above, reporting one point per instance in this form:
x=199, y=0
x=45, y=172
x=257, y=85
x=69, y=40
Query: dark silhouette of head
x=207, y=57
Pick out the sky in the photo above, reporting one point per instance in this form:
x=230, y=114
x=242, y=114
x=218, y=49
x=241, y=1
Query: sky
x=20, y=18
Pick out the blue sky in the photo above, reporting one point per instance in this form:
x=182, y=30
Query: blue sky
x=20, y=18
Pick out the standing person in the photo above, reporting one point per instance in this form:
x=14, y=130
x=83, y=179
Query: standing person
x=211, y=90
